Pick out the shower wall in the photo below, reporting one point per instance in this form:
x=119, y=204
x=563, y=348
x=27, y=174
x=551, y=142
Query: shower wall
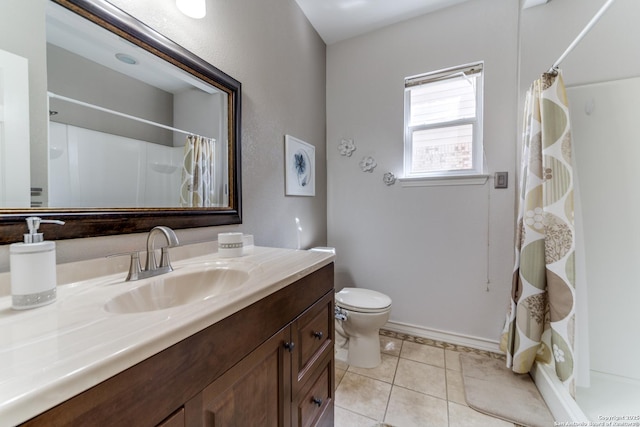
x=95, y=169
x=606, y=149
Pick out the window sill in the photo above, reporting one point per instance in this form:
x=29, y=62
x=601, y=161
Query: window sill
x=434, y=181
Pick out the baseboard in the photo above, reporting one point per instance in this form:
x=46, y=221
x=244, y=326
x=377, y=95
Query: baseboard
x=562, y=406
x=449, y=337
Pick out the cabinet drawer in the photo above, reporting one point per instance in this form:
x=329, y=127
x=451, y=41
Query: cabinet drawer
x=313, y=333
x=174, y=420
x=316, y=401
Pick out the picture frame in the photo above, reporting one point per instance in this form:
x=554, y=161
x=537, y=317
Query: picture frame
x=300, y=167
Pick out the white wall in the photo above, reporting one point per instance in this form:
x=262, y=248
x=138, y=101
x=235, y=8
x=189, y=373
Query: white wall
x=14, y=127
x=609, y=50
x=27, y=17
x=426, y=247
x=606, y=134
x=275, y=53
x=81, y=170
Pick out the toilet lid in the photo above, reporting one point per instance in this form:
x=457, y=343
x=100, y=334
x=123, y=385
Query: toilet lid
x=362, y=300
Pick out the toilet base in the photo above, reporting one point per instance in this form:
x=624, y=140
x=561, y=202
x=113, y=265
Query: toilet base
x=364, y=351
x=341, y=354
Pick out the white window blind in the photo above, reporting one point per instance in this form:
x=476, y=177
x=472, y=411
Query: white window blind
x=443, y=122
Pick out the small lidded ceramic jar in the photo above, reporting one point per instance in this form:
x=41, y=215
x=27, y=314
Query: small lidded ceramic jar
x=230, y=245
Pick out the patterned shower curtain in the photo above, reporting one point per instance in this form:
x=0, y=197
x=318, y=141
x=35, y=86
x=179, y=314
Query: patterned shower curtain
x=541, y=320
x=198, y=186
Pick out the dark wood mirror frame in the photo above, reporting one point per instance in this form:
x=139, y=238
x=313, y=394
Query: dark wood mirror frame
x=102, y=222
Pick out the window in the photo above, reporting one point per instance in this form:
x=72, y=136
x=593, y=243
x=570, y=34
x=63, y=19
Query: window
x=443, y=123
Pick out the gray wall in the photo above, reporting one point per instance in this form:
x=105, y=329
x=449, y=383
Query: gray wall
x=431, y=249
x=275, y=53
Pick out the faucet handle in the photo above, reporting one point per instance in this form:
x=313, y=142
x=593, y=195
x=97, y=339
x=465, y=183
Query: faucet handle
x=134, y=266
x=164, y=258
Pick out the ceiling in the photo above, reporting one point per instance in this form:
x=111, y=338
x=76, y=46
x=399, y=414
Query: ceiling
x=337, y=20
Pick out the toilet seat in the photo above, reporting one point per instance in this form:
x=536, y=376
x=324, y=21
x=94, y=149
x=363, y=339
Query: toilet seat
x=362, y=300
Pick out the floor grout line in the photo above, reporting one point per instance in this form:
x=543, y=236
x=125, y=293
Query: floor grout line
x=446, y=364
x=393, y=380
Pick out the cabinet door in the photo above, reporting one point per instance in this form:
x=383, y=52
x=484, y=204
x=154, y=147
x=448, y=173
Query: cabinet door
x=252, y=393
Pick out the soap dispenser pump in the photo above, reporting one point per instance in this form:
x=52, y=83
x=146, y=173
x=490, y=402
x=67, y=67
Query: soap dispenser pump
x=33, y=268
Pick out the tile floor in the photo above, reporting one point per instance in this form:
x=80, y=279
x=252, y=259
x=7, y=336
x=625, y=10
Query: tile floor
x=418, y=383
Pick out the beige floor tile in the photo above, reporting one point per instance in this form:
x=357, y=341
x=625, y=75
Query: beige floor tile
x=455, y=387
x=452, y=360
x=390, y=345
x=463, y=416
x=363, y=395
x=409, y=408
x=345, y=418
x=421, y=377
x=339, y=374
x=423, y=353
x=386, y=371
x=415, y=385
x=341, y=365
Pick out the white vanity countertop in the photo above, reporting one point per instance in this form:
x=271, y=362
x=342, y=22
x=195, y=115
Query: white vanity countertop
x=55, y=352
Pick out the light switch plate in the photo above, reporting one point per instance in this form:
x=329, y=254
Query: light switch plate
x=501, y=180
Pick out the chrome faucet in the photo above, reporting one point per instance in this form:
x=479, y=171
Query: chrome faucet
x=172, y=240
x=151, y=267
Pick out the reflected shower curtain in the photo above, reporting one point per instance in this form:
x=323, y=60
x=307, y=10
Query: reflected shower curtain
x=198, y=186
x=541, y=320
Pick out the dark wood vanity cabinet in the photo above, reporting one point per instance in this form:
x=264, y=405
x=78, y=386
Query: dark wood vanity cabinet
x=287, y=381
x=270, y=364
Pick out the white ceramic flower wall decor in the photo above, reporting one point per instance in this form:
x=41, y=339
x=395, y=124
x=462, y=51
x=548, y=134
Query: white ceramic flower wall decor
x=346, y=147
x=368, y=164
x=389, y=178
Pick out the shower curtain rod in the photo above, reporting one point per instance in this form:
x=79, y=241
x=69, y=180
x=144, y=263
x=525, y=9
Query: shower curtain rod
x=583, y=33
x=118, y=113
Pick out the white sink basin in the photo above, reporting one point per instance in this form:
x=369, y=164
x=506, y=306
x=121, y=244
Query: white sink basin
x=181, y=287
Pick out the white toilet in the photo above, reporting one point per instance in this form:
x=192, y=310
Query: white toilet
x=360, y=313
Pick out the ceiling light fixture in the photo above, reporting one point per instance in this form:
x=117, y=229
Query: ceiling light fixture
x=127, y=59
x=192, y=8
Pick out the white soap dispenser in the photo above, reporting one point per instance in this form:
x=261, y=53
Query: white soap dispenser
x=33, y=268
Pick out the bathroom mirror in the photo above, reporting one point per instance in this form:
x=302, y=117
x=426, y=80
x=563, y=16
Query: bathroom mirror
x=89, y=124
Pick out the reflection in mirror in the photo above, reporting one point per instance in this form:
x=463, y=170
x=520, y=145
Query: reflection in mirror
x=138, y=128
x=14, y=126
x=112, y=103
